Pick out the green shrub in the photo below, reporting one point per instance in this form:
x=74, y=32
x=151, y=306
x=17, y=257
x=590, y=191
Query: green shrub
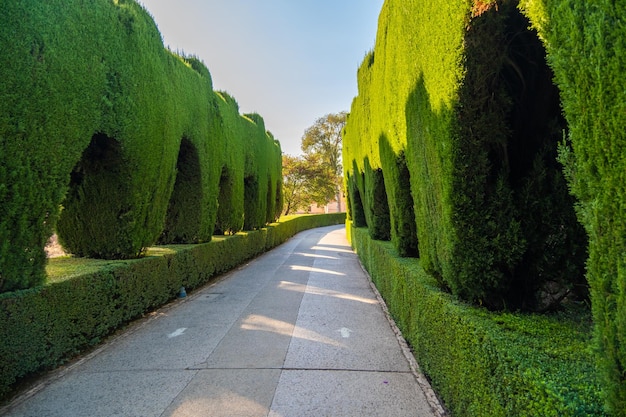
x=458, y=111
x=585, y=46
x=98, y=118
x=483, y=363
x=463, y=90
x=381, y=227
x=50, y=106
x=137, y=97
x=42, y=327
x=230, y=214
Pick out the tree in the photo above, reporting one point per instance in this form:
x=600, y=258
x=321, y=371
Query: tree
x=323, y=140
x=306, y=180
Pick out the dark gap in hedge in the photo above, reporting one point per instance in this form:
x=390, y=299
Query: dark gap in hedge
x=97, y=197
x=519, y=245
x=270, y=198
x=406, y=232
x=250, y=201
x=184, y=212
x=381, y=226
x=356, y=203
x=224, y=225
x=552, y=266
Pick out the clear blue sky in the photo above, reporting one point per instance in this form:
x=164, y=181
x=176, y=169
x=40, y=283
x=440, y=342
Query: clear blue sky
x=291, y=61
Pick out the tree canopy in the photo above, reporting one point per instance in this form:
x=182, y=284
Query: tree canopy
x=306, y=181
x=324, y=140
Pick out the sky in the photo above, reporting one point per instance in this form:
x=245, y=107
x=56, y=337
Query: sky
x=291, y=61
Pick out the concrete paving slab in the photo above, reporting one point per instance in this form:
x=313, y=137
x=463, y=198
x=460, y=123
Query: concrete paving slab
x=226, y=393
x=340, y=308
x=261, y=336
x=304, y=393
x=107, y=394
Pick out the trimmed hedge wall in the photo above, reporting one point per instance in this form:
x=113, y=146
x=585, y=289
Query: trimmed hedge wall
x=457, y=112
x=482, y=363
x=586, y=45
x=98, y=118
x=481, y=107
x=43, y=327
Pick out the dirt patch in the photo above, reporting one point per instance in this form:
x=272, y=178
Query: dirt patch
x=53, y=247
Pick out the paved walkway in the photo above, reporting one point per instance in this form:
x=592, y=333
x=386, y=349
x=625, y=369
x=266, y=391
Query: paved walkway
x=296, y=332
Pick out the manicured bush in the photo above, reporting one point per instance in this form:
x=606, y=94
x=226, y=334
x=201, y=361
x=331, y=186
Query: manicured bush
x=45, y=326
x=482, y=363
x=98, y=118
x=230, y=214
x=585, y=42
x=464, y=90
x=458, y=111
x=380, y=227
x=135, y=168
x=50, y=106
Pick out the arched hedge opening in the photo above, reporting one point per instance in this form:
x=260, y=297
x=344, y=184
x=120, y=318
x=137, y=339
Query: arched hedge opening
x=517, y=242
x=230, y=213
x=98, y=196
x=250, y=203
x=185, y=211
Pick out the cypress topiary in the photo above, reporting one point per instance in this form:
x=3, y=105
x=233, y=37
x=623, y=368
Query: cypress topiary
x=466, y=142
x=98, y=118
x=586, y=44
x=50, y=106
x=516, y=242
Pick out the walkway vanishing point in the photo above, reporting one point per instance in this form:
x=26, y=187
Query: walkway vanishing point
x=297, y=332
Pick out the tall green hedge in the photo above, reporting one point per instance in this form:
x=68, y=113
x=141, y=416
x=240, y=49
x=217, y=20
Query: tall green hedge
x=482, y=363
x=457, y=110
x=586, y=45
x=51, y=104
x=114, y=141
x=482, y=98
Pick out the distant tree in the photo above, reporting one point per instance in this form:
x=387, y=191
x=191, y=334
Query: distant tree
x=323, y=141
x=306, y=180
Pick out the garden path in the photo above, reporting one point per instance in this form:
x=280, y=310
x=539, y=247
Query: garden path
x=298, y=331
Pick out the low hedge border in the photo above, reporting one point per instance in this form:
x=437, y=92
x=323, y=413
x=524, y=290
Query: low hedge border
x=43, y=327
x=483, y=363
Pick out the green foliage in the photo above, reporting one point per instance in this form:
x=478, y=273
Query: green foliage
x=482, y=363
x=463, y=91
x=458, y=110
x=356, y=211
x=38, y=122
x=98, y=117
x=419, y=43
x=322, y=144
x=516, y=237
x=185, y=208
x=261, y=174
x=230, y=212
x=380, y=227
x=403, y=226
x=324, y=140
x=306, y=180
x=85, y=300
x=585, y=42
